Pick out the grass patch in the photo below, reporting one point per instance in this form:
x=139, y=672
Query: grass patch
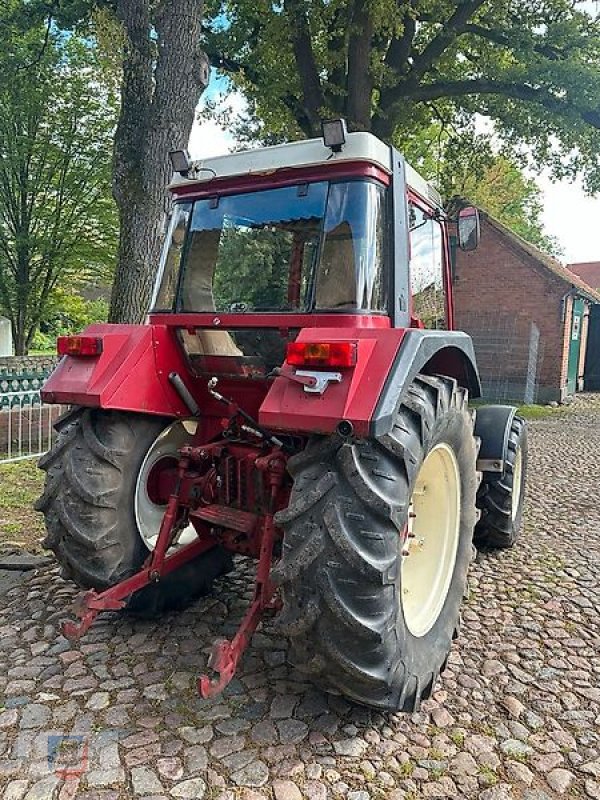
x=21, y=484
x=435, y=754
x=523, y=758
x=457, y=737
x=541, y=412
x=406, y=769
x=533, y=411
x=488, y=775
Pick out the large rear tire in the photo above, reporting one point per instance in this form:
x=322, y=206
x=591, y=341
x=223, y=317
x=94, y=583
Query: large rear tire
x=365, y=619
x=89, y=507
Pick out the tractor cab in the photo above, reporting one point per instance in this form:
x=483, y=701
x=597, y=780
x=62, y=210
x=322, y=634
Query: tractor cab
x=287, y=273
x=270, y=241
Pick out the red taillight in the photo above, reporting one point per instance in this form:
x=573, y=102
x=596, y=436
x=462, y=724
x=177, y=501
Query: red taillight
x=78, y=346
x=321, y=354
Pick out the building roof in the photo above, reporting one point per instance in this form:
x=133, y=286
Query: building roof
x=588, y=271
x=544, y=260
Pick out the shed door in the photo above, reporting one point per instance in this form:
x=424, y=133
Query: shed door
x=574, y=344
x=592, y=354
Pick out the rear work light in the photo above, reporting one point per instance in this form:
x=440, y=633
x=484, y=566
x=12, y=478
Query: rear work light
x=78, y=346
x=321, y=354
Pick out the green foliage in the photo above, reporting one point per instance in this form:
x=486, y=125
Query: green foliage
x=404, y=68
x=505, y=193
x=67, y=312
x=466, y=164
x=253, y=269
x=57, y=216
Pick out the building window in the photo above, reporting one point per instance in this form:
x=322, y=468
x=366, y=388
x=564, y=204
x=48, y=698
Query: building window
x=427, y=269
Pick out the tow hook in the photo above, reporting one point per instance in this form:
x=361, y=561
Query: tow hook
x=313, y=381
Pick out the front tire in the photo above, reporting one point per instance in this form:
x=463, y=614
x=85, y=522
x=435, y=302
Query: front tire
x=501, y=497
x=90, y=509
x=343, y=573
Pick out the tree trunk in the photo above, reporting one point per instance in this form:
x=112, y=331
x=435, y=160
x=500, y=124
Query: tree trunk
x=360, y=79
x=164, y=74
x=19, y=341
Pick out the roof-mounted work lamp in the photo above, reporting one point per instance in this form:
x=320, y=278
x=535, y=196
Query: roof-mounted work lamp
x=334, y=134
x=180, y=161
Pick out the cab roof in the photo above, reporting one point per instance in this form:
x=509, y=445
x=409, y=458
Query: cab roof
x=309, y=152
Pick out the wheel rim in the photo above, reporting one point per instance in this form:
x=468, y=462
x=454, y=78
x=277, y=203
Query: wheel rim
x=516, y=484
x=150, y=508
x=430, y=547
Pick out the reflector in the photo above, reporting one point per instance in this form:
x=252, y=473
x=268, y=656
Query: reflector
x=321, y=354
x=79, y=345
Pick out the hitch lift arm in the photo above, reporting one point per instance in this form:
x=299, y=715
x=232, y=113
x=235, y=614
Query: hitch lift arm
x=226, y=654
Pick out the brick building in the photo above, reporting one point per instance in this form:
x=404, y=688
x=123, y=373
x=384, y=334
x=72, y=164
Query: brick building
x=527, y=315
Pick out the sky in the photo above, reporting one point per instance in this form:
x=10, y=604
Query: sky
x=573, y=218
x=569, y=215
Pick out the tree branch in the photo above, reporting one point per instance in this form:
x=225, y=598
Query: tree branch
x=337, y=44
x=44, y=44
x=398, y=57
x=448, y=34
x=532, y=94
x=500, y=38
x=396, y=61
x=400, y=47
x=227, y=64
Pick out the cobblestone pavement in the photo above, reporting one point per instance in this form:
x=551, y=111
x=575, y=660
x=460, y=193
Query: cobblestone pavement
x=517, y=714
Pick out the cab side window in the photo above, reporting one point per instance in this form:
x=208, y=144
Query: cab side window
x=427, y=269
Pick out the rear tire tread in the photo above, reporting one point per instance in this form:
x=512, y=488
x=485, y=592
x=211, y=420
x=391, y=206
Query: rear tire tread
x=88, y=507
x=347, y=642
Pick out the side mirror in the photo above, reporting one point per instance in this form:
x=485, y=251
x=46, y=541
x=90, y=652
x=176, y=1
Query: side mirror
x=468, y=228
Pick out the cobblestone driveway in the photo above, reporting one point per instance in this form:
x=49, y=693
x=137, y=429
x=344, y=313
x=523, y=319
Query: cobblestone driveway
x=517, y=714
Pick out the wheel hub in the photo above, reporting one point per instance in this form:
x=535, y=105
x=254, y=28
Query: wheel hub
x=516, y=485
x=156, y=480
x=431, y=543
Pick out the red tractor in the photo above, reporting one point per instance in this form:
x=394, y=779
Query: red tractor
x=297, y=395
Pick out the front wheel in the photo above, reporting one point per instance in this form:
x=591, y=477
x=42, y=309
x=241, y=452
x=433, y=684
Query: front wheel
x=501, y=496
x=377, y=544
x=103, y=502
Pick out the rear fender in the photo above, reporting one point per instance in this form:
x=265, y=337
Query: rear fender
x=492, y=426
x=430, y=352
x=130, y=374
x=288, y=407
x=369, y=394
